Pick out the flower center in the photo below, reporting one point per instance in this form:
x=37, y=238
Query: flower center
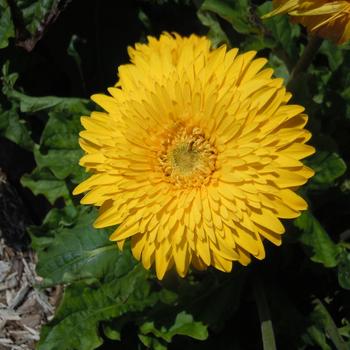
x=187, y=158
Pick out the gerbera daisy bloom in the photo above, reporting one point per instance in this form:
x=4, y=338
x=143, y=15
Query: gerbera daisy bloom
x=196, y=157
x=328, y=19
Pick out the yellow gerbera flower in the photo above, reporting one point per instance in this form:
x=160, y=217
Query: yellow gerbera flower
x=196, y=156
x=328, y=19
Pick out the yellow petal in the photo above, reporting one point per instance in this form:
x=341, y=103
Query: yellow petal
x=268, y=220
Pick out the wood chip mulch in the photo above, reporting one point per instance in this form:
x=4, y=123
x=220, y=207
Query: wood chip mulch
x=24, y=308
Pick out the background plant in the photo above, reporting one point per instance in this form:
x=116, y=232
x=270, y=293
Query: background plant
x=51, y=63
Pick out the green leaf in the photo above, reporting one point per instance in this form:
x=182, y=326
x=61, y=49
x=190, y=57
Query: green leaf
x=279, y=67
x=324, y=320
x=258, y=42
x=216, y=35
x=82, y=252
x=15, y=129
x=61, y=162
x=345, y=330
x=72, y=105
x=42, y=181
x=344, y=269
x=61, y=132
x=7, y=29
x=324, y=250
x=328, y=167
x=316, y=336
x=59, y=151
x=323, y=329
x=75, y=325
x=184, y=324
x=236, y=12
x=56, y=219
x=112, y=330
x=8, y=79
x=32, y=104
x=11, y=125
x=59, y=148
x=334, y=54
x=152, y=343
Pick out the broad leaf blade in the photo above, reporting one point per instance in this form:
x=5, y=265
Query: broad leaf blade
x=236, y=12
x=83, y=307
x=59, y=148
x=42, y=181
x=328, y=167
x=184, y=324
x=7, y=30
x=15, y=129
x=82, y=252
x=324, y=250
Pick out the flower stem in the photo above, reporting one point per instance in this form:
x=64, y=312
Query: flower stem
x=306, y=58
x=268, y=336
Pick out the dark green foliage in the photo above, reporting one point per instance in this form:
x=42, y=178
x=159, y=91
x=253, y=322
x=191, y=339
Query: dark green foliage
x=7, y=30
x=235, y=12
x=110, y=301
x=314, y=236
x=328, y=168
x=76, y=321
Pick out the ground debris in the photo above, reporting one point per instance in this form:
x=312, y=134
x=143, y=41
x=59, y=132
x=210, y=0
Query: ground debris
x=23, y=307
